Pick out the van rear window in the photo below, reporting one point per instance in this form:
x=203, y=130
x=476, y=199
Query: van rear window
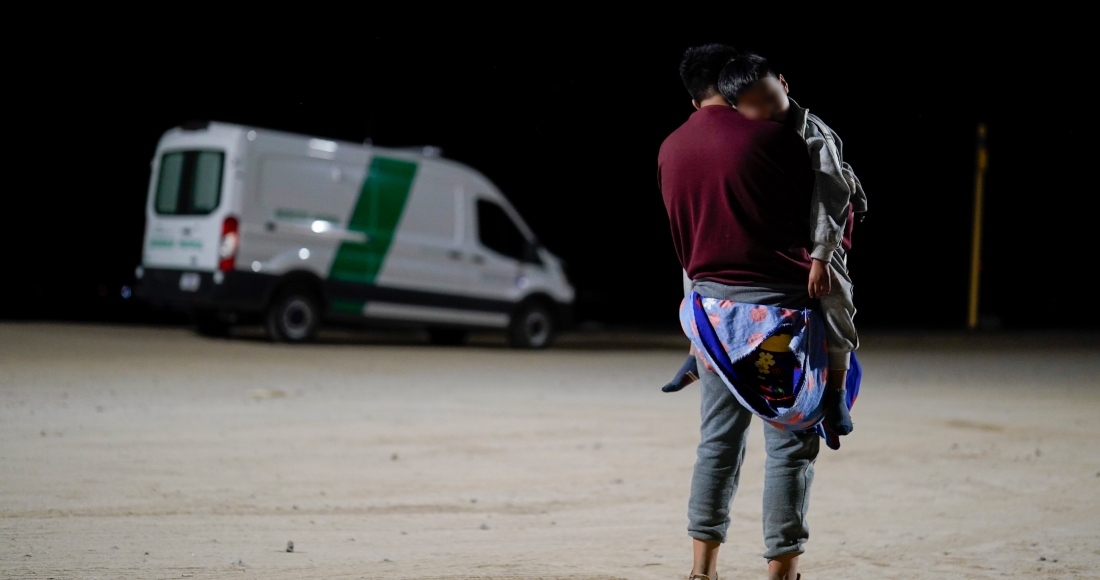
x=190, y=182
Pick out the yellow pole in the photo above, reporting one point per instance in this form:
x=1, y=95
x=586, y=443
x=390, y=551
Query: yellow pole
x=976, y=239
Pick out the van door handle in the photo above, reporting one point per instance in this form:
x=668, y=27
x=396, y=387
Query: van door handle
x=454, y=255
x=269, y=226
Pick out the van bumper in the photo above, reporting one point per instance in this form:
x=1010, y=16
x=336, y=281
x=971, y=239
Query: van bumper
x=234, y=291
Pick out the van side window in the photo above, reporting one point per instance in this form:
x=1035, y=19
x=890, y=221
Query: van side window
x=497, y=231
x=190, y=182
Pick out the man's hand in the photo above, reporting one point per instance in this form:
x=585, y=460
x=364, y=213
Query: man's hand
x=821, y=278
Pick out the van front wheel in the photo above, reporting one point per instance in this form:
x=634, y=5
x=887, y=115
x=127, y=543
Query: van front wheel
x=531, y=327
x=294, y=316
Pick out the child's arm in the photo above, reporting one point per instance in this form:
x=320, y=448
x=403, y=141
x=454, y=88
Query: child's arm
x=821, y=279
x=829, y=208
x=859, y=197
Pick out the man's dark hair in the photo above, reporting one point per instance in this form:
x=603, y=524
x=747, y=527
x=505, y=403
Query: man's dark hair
x=740, y=74
x=701, y=66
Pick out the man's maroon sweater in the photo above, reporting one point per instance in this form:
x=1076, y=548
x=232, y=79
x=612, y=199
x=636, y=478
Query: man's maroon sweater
x=738, y=194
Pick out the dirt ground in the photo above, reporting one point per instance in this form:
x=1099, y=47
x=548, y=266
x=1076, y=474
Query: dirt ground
x=136, y=452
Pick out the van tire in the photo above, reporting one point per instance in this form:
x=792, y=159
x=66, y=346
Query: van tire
x=208, y=323
x=532, y=326
x=294, y=316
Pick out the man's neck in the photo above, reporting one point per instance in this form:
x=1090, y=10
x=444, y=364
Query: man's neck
x=714, y=100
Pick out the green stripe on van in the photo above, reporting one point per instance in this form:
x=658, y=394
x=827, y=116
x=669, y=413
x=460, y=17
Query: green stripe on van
x=352, y=306
x=381, y=201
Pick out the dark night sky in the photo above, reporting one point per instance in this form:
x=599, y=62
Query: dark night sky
x=568, y=125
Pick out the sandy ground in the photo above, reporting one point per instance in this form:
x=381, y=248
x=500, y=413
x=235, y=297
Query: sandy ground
x=130, y=452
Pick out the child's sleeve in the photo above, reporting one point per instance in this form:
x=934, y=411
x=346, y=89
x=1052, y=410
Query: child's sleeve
x=859, y=197
x=831, y=196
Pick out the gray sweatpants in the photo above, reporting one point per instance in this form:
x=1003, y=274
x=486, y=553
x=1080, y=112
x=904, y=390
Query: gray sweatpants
x=789, y=469
x=838, y=311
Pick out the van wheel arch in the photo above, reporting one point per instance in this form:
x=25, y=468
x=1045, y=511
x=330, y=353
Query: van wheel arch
x=298, y=280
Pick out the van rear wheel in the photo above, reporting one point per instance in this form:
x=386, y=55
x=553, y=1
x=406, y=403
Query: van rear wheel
x=532, y=327
x=294, y=316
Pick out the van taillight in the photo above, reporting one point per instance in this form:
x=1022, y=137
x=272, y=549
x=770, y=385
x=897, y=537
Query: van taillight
x=231, y=239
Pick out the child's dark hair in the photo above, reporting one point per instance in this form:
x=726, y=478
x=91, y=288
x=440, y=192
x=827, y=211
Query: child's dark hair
x=700, y=67
x=740, y=74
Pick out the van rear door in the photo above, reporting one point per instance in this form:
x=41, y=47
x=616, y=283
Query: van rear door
x=182, y=231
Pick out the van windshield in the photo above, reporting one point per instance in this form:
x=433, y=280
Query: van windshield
x=499, y=233
x=190, y=182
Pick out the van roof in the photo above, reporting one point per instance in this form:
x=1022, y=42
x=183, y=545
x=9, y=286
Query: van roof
x=427, y=153
x=432, y=151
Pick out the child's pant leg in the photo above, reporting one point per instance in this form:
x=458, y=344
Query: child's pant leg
x=722, y=434
x=838, y=311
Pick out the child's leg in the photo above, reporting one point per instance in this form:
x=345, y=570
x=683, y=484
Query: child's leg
x=838, y=310
x=837, y=417
x=687, y=373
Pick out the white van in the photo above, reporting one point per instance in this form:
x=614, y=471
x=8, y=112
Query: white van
x=292, y=230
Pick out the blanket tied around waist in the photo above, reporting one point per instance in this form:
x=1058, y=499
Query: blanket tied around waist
x=774, y=360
